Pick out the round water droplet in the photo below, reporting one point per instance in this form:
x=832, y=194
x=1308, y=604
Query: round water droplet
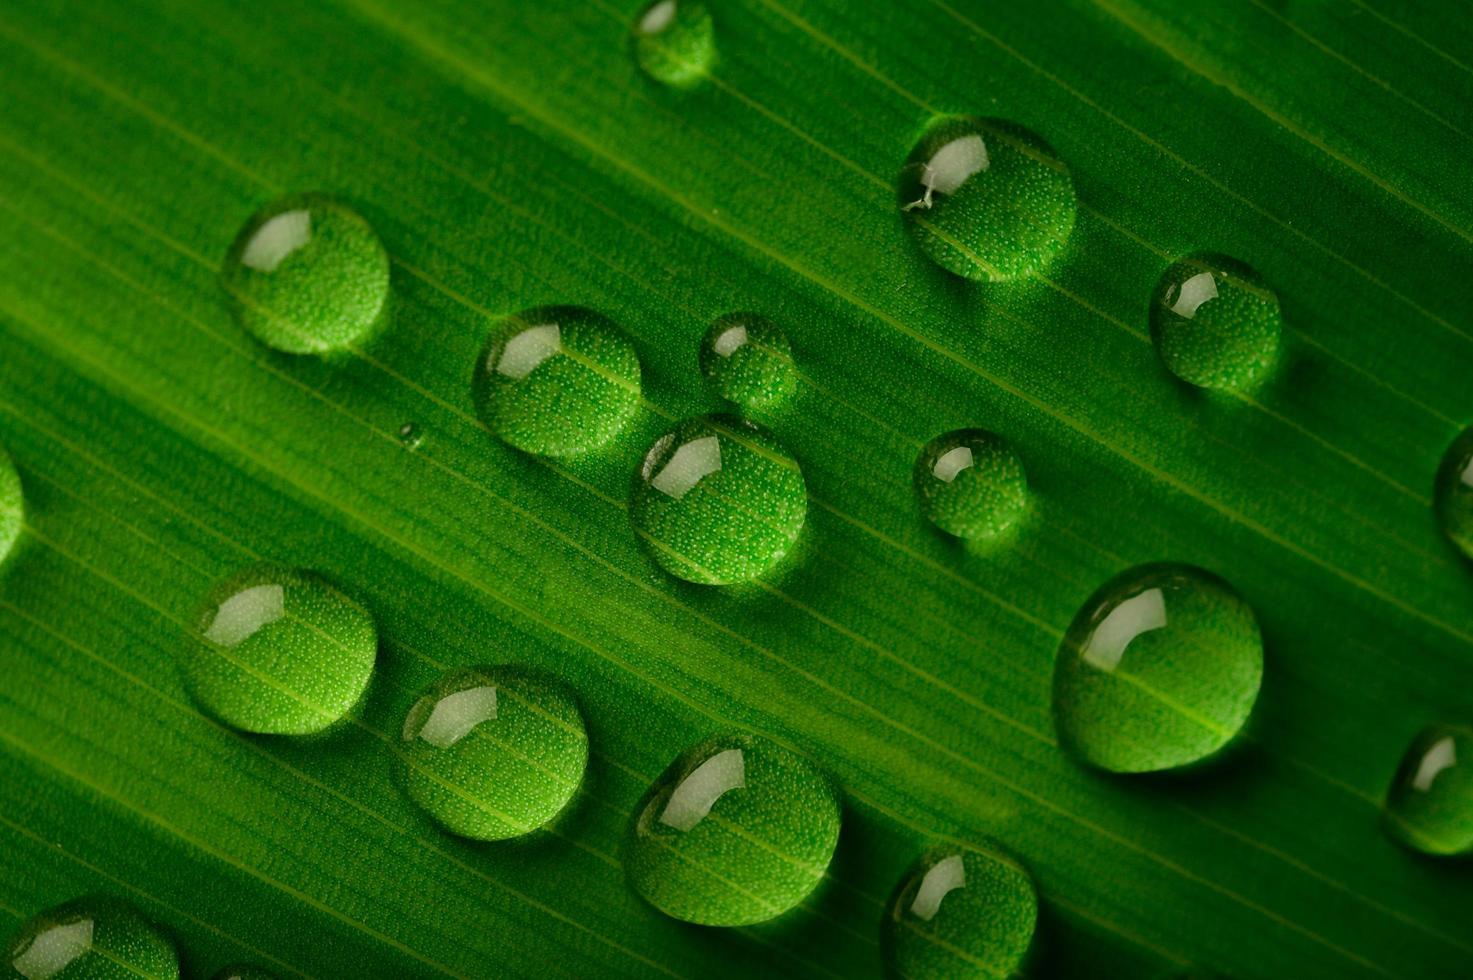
x=1454, y=492
x=1215, y=323
x=675, y=42
x=244, y=971
x=737, y=830
x=12, y=505
x=92, y=938
x=307, y=275
x=971, y=483
x=718, y=500
x=493, y=752
x=747, y=360
x=1429, y=807
x=557, y=380
x=961, y=913
x=987, y=199
x=410, y=437
x=280, y=651
x=1159, y=669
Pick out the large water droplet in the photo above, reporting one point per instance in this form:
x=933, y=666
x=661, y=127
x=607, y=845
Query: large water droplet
x=1159, y=669
x=1215, y=323
x=493, y=752
x=280, y=651
x=987, y=199
x=1454, y=492
x=747, y=360
x=961, y=912
x=244, y=971
x=718, y=500
x=12, y=505
x=675, y=42
x=96, y=936
x=971, y=483
x=737, y=830
x=1429, y=806
x=307, y=275
x=557, y=380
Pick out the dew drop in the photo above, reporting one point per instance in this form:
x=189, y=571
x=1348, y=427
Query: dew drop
x=12, y=505
x=493, y=752
x=1215, y=323
x=280, y=651
x=307, y=275
x=718, y=500
x=961, y=912
x=1429, y=807
x=1159, y=669
x=971, y=483
x=410, y=436
x=1454, y=492
x=557, y=380
x=987, y=199
x=97, y=936
x=747, y=360
x=737, y=830
x=244, y=971
x=675, y=42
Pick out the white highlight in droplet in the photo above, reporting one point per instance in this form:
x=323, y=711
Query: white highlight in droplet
x=279, y=237
x=954, y=164
x=697, y=793
x=241, y=615
x=1442, y=755
x=730, y=341
x=1193, y=293
x=688, y=465
x=526, y=350
x=1136, y=615
x=943, y=878
x=54, y=950
x=658, y=17
x=455, y=715
x=952, y=462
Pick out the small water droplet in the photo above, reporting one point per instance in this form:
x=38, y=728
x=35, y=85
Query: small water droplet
x=1159, y=669
x=410, y=437
x=961, y=912
x=280, y=651
x=747, y=360
x=1429, y=807
x=493, y=752
x=95, y=936
x=557, y=380
x=971, y=483
x=12, y=505
x=244, y=971
x=307, y=275
x=1454, y=492
x=1215, y=323
x=987, y=199
x=675, y=42
x=737, y=830
x=718, y=500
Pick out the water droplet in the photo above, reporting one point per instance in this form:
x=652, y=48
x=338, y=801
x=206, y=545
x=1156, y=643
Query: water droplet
x=410, y=437
x=244, y=971
x=12, y=505
x=1429, y=807
x=1159, y=669
x=987, y=199
x=307, y=275
x=1215, y=323
x=961, y=912
x=718, y=500
x=675, y=42
x=96, y=936
x=1454, y=492
x=737, y=830
x=971, y=483
x=280, y=651
x=557, y=380
x=493, y=752
x=747, y=360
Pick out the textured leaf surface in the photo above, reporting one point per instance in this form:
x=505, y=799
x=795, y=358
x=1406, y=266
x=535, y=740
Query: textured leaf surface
x=513, y=155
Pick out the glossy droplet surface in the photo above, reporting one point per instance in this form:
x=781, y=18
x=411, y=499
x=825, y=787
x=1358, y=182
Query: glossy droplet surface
x=1429, y=806
x=737, y=830
x=280, y=651
x=93, y=938
x=1159, y=669
x=747, y=360
x=1215, y=323
x=307, y=275
x=987, y=199
x=718, y=500
x=970, y=483
x=493, y=752
x=960, y=913
x=675, y=42
x=557, y=380
x=244, y=971
x=410, y=436
x=12, y=504
x=1453, y=495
